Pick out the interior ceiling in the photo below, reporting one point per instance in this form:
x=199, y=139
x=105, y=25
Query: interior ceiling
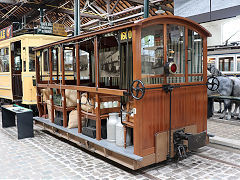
x=94, y=13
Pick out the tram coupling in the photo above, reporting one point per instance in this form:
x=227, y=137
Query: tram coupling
x=184, y=142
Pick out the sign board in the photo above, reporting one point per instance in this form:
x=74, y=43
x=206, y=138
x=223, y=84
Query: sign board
x=6, y=33
x=52, y=28
x=45, y=28
x=59, y=29
x=126, y=35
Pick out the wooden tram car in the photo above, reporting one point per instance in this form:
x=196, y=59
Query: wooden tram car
x=156, y=69
x=17, y=67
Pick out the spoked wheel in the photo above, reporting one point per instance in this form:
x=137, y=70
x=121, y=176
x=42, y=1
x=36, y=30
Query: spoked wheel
x=137, y=89
x=213, y=83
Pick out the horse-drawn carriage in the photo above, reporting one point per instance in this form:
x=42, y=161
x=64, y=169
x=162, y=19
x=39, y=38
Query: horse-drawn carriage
x=154, y=71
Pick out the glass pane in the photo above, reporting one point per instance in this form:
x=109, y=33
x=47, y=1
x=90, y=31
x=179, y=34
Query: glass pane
x=24, y=66
x=238, y=63
x=68, y=59
x=109, y=62
x=4, y=60
x=211, y=61
x=195, y=55
x=54, y=59
x=45, y=60
x=84, y=64
x=195, y=78
x=226, y=64
x=176, y=51
x=31, y=59
x=152, y=56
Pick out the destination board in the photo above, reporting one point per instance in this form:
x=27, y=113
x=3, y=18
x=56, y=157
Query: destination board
x=6, y=33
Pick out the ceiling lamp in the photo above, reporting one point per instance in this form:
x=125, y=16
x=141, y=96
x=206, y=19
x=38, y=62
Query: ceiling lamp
x=160, y=10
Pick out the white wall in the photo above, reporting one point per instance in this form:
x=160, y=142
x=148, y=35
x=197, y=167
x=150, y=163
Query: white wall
x=220, y=32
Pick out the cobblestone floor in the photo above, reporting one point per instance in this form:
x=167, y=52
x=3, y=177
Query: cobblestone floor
x=224, y=129
x=46, y=157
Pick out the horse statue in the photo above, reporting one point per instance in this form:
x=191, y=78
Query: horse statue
x=225, y=89
x=235, y=93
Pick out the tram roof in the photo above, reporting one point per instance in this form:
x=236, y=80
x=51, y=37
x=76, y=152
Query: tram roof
x=165, y=18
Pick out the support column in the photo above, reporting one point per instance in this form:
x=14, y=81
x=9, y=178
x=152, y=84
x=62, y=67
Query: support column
x=146, y=8
x=79, y=115
x=98, y=119
x=63, y=90
x=76, y=10
x=51, y=82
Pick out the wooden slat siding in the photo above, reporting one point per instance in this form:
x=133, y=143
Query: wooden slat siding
x=98, y=119
x=40, y=110
x=137, y=131
x=79, y=116
x=186, y=54
x=51, y=81
x=63, y=90
x=188, y=108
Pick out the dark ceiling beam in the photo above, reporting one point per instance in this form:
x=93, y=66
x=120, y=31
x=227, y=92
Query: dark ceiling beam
x=98, y=8
x=108, y=6
x=82, y=14
x=62, y=10
x=115, y=5
x=166, y=8
x=153, y=3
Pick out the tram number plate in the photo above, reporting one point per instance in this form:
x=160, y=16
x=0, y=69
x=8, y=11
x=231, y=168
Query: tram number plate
x=126, y=35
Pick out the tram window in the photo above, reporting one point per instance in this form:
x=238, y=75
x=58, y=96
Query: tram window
x=84, y=64
x=211, y=61
x=17, y=59
x=31, y=59
x=45, y=60
x=226, y=64
x=152, y=54
x=68, y=59
x=4, y=60
x=54, y=60
x=176, y=51
x=24, y=66
x=17, y=62
x=87, y=60
x=238, y=63
x=109, y=62
x=195, y=56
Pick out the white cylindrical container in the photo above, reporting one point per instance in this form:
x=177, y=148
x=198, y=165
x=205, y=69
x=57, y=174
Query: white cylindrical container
x=111, y=127
x=119, y=133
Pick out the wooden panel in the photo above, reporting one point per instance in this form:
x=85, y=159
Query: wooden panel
x=188, y=108
x=161, y=142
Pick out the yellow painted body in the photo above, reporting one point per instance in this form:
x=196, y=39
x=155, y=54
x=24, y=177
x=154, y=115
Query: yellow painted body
x=29, y=91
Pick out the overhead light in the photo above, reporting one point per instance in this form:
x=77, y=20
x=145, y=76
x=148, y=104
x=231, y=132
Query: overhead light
x=159, y=11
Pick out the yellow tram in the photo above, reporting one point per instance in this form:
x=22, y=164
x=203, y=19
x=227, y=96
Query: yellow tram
x=17, y=67
x=148, y=77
